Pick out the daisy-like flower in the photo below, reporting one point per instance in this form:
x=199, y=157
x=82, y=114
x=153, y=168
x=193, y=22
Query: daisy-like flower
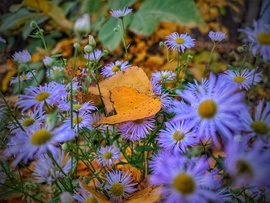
x=213, y=110
x=48, y=61
x=120, y=13
x=194, y=87
x=36, y=97
x=177, y=136
x=83, y=196
x=259, y=124
x=55, y=70
x=119, y=185
x=30, y=122
x=27, y=146
x=164, y=75
x=47, y=171
x=247, y=165
x=86, y=107
x=93, y=56
x=107, y=155
x=216, y=36
x=66, y=197
x=259, y=39
x=113, y=68
x=2, y=40
x=186, y=181
x=137, y=129
x=22, y=56
x=159, y=163
x=80, y=120
x=23, y=77
x=179, y=42
x=241, y=80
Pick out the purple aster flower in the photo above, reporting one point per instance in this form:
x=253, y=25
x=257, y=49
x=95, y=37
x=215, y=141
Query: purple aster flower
x=120, y=13
x=241, y=79
x=37, y=96
x=80, y=120
x=48, y=61
x=23, y=77
x=177, y=136
x=22, y=56
x=86, y=107
x=247, y=165
x=83, y=195
x=93, y=56
x=47, y=171
x=186, y=181
x=2, y=40
x=159, y=163
x=216, y=36
x=259, y=123
x=107, y=155
x=179, y=42
x=30, y=122
x=113, y=68
x=213, y=110
x=137, y=129
x=27, y=146
x=82, y=24
x=160, y=76
x=119, y=185
x=55, y=70
x=194, y=87
x=259, y=39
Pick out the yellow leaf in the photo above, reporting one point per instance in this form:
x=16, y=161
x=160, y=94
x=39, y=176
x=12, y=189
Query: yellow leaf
x=41, y=5
x=6, y=79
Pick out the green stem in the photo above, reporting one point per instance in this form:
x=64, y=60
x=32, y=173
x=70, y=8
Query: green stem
x=207, y=70
x=124, y=38
x=13, y=116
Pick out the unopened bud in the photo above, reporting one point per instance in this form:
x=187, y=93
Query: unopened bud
x=161, y=44
x=88, y=49
x=76, y=45
x=92, y=41
x=33, y=24
x=82, y=25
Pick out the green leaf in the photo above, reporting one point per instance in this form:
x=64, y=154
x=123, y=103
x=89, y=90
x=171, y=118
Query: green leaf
x=183, y=12
x=120, y=4
x=14, y=19
x=92, y=6
x=108, y=36
x=143, y=148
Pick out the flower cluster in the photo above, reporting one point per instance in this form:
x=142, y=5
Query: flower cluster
x=208, y=142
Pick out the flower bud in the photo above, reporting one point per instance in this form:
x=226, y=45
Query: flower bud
x=33, y=24
x=76, y=45
x=82, y=25
x=92, y=41
x=88, y=49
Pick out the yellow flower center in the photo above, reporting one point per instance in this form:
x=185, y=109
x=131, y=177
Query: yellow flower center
x=138, y=121
x=179, y=40
x=77, y=106
x=56, y=70
x=207, y=109
x=77, y=120
x=24, y=77
x=107, y=155
x=264, y=38
x=239, y=79
x=42, y=96
x=117, y=189
x=40, y=137
x=91, y=200
x=115, y=69
x=260, y=127
x=184, y=184
x=243, y=168
x=177, y=135
x=28, y=122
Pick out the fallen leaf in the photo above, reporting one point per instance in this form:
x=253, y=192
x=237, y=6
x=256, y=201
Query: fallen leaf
x=133, y=77
x=129, y=105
